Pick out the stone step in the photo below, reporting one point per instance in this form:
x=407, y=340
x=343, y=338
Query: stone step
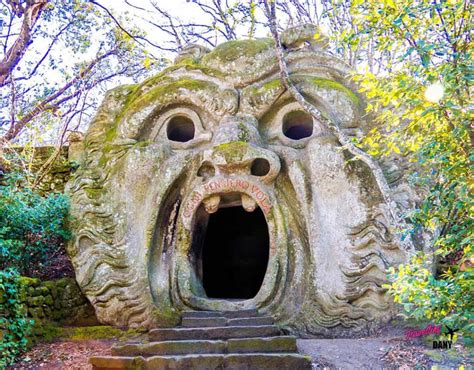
x=221, y=332
x=205, y=361
x=193, y=322
x=183, y=347
x=227, y=314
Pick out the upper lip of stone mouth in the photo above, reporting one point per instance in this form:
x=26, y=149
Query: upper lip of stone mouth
x=228, y=191
x=215, y=201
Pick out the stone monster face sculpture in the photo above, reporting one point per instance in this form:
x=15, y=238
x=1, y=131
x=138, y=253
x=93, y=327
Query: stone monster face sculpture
x=208, y=187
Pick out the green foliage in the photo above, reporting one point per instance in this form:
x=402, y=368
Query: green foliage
x=14, y=326
x=422, y=106
x=447, y=300
x=31, y=226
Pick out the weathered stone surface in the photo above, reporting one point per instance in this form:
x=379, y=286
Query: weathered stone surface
x=223, y=347
x=205, y=361
x=58, y=301
x=179, y=347
x=222, y=321
x=226, y=314
x=182, y=347
x=142, y=197
x=212, y=321
x=271, y=344
x=263, y=320
x=223, y=332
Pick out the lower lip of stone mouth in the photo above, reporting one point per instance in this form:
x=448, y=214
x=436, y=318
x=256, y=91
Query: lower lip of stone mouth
x=230, y=246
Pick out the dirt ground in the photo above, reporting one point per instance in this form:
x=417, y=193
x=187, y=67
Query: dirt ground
x=380, y=353
x=64, y=355
x=393, y=352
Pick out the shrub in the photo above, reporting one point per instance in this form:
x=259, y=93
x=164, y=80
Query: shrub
x=14, y=325
x=32, y=235
x=32, y=227
x=445, y=300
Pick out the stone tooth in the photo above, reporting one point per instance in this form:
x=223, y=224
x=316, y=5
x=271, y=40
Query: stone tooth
x=248, y=203
x=211, y=204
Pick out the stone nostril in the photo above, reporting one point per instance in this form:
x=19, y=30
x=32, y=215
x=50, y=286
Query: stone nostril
x=260, y=167
x=206, y=170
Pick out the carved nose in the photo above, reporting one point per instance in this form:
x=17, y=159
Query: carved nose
x=238, y=150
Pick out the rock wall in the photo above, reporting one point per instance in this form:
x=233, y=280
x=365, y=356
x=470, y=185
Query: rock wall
x=59, y=301
x=60, y=171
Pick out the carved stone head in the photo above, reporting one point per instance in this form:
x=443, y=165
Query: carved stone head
x=208, y=187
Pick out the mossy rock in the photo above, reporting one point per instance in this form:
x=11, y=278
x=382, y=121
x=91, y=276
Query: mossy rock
x=62, y=282
x=36, y=313
x=28, y=282
x=35, y=301
x=95, y=332
x=48, y=300
x=41, y=291
x=232, y=50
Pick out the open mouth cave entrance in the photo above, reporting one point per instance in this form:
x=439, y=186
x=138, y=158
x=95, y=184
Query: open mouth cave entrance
x=234, y=253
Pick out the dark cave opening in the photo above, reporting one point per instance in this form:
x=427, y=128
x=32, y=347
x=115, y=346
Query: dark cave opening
x=235, y=253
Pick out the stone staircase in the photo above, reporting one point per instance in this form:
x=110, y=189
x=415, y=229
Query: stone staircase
x=210, y=340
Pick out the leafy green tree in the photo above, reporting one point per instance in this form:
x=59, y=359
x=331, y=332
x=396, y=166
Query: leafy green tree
x=422, y=104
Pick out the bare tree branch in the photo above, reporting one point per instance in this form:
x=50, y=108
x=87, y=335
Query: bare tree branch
x=31, y=14
x=45, y=55
x=46, y=103
x=137, y=38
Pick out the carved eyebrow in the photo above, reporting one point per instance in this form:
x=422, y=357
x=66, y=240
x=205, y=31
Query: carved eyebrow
x=259, y=98
x=203, y=94
x=327, y=83
x=172, y=91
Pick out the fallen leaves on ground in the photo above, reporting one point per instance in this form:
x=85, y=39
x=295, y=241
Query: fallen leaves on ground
x=63, y=355
x=405, y=356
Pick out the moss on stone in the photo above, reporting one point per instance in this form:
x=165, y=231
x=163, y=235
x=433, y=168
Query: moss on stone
x=166, y=316
x=266, y=87
x=244, y=133
x=334, y=85
x=232, y=50
x=169, y=88
x=111, y=133
x=142, y=144
x=191, y=64
x=94, y=332
x=161, y=78
x=27, y=281
x=233, y=151
x=93, y=193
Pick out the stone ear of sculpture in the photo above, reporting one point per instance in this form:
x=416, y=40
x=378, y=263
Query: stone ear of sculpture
x=207, y=187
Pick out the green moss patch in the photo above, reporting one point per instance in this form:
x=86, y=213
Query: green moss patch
x=166, y=89
x=232, y=50
x=233, y=151
x=331, y=85
x=88, y=333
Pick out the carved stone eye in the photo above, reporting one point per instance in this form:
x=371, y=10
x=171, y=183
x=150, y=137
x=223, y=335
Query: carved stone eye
x=297, y=125
x=180, y=128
